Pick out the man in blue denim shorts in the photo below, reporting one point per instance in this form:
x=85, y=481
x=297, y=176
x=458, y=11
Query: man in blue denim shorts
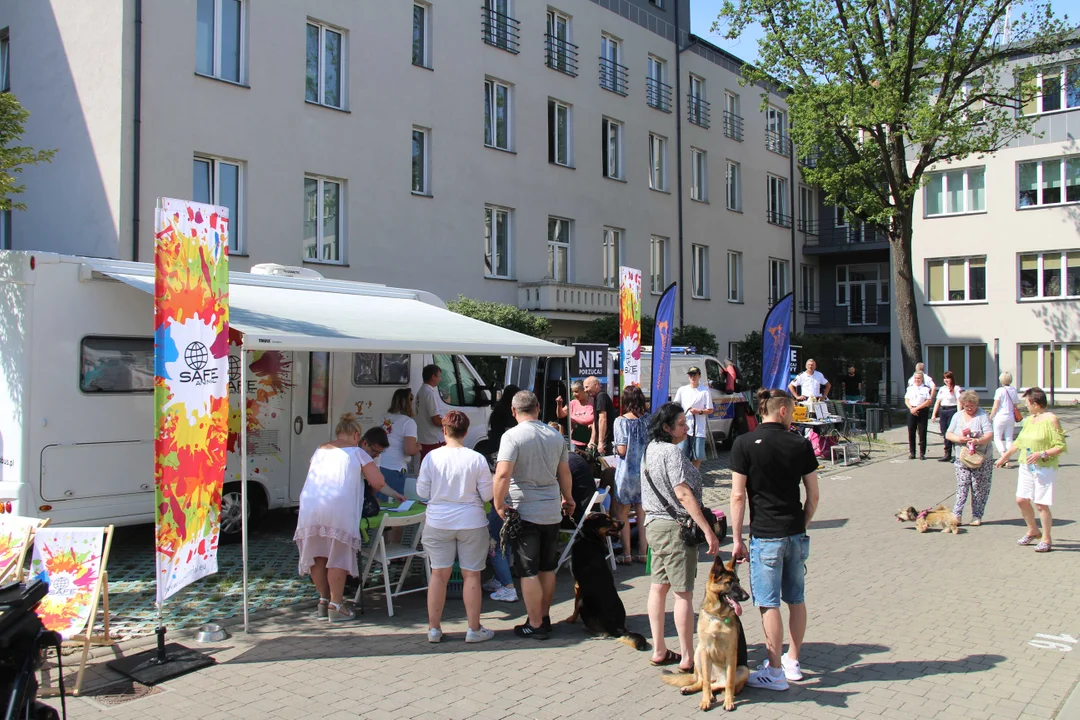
x=768, y=467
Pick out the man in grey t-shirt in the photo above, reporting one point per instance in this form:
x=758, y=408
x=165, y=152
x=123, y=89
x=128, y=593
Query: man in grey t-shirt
x=531, y=476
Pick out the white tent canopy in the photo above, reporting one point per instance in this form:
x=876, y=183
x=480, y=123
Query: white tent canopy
x=332, y=315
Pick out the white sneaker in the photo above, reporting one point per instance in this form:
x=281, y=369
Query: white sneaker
x=481, y=635
x=792, y=670
x=763, y=678
x=506, y=593
x=434, y=635
x=491, y=585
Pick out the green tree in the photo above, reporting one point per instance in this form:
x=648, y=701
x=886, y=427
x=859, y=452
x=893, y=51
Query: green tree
x=606, y=330
x=832, y=352
x=13, y=157
x=697, y=337
x=881, y=91
x=492, y=369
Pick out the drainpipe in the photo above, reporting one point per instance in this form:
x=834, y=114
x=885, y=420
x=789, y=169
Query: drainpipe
x=678, y=160
x=137, y=135
x=794, y=263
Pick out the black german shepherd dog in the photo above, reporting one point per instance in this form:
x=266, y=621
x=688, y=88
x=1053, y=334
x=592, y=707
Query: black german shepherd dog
x=596, y=601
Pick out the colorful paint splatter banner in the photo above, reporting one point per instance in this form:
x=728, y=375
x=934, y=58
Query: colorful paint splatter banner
x=71, y=557
x=191, y=392
x=14, y=532
x=630, y=326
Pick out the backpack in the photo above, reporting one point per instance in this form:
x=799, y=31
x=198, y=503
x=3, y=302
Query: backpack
x=740, y=384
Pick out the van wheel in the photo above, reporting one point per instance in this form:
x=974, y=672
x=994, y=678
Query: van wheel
x=232, y=522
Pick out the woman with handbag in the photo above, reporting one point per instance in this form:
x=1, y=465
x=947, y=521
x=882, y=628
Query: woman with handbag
x=1005, y=413
x=676, y=523
x=971, y=431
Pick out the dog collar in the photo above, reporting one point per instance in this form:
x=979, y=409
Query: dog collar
x=725, y=620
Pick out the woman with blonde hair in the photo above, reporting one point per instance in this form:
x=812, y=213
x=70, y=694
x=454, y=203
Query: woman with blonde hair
x=401, y=432
x=969, y=429
x=328, y=528
x=1004, y=412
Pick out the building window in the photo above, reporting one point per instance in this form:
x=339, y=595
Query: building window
x=323, y=240
x=219, y=182
x=808, y=212
x=558, y=249
x=700, y=271
x=500, y=30
x=612, y=149
x=777, y=200
x=657, y=3
x=734, y=193
x=5, y=230
x=776, y=138
x=699, y=175
x=612, y=72
x=861, y=289
x=778, y=280
x=657, y=162
x=657, y=264
x=1050, y=275
x=497, y=241
x=1035, y=366
x=1040, y=182
x=967, y=363
x=324, y=79
x=657, y=92
x=734, y=276
x=612, y=256
x=5, y=65
x=421, y=161
x=219, y=39
x=808, y=292
x=956, y=192
x=559, y=133
x=559, y=53
x=733, y=122
x=956, y=280
x=1053, y=88
x=421, y=35
x=698, y=109
x=496, y=114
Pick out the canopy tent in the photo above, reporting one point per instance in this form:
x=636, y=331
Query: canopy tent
x=333, y=315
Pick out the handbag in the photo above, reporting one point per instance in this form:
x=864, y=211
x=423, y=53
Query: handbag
x=1016, y=414
x=971, y=458
x=689, y=531
x=371, y=507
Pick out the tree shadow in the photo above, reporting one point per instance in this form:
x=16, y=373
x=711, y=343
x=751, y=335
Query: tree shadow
x=1019, y=522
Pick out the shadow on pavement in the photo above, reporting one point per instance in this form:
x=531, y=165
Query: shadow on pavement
x=828, y=524
x=905, y=670
x=1019, y=522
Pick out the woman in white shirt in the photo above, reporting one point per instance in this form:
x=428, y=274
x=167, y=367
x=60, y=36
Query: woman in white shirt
x=1003, y=414
x=401, y=431
x=457, y=482
x=917, y=398
x=948, y=396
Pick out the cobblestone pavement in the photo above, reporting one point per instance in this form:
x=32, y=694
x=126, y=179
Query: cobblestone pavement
x=902, y=625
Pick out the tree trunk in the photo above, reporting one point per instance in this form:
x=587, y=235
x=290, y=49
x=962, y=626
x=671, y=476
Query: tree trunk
x=907, y=318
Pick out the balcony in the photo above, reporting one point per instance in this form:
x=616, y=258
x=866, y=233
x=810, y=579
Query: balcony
x=777, y=142
x=845, y=239
x=810, y=160
x=658, y=94
x=613, y=76
x=810, y=227
x=733, y=125
x=698, y=111
x=775, y=217
x=568, y=301
x=560, y=55
x=861, y=318
x=500, y=30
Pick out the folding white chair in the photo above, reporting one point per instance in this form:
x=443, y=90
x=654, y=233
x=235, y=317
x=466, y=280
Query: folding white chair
x=597, y=500
x=382, y=552
x=16, y=538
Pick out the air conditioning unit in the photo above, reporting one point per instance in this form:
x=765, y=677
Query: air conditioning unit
x=285, y=271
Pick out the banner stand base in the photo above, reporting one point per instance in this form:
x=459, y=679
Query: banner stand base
x=164, y=662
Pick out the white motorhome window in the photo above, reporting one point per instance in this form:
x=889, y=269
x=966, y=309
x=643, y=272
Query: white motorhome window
x=319, y=388
x=380, y=369
x=116, y=365
x=457, y=385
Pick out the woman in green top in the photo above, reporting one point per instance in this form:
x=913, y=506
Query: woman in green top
x=1040, y=444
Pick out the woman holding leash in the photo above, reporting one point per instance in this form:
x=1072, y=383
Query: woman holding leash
x=971, y=431
x=1040, y=443
x=671, y=493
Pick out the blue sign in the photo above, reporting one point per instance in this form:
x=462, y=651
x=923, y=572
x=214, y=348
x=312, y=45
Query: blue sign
x=776, y=345
x=661, y=357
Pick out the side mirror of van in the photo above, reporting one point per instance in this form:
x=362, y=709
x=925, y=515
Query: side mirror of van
x=485, y=396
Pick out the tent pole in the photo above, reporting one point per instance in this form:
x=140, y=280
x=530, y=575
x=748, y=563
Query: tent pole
x=243, y=478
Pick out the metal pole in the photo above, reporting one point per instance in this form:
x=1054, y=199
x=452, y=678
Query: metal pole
x=243, y=478
x=997, y=359
x=1053, y=381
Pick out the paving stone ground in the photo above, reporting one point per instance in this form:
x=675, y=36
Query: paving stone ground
x=902, y=625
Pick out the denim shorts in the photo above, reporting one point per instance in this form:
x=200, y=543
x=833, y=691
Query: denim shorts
x=394, y=479
x=697, y=444
x=777, y=569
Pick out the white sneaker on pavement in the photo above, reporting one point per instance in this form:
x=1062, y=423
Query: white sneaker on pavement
x=434, y=635
x=792, y=670
x=491, y=585
x=505, y=594
x=481, y=635
x=765, y=678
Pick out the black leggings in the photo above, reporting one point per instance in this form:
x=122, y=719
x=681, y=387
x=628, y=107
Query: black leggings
x=917, y=421
x=945, y=416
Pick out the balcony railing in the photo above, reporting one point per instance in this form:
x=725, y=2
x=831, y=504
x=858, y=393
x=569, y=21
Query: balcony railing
x=777, y=142
x=810, y=160
x=810, y=227
x=698, y=110
x=500, y=30
x=552, y=296
x=560, y=55
x=858, y=316
x=733, y=125
x=613, y=76
x=775, y=217
x=849, y=238
x=658, y=94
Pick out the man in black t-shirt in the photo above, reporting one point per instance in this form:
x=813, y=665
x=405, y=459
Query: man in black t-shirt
x=603, y=416
x=852, y=383
x=768, y=467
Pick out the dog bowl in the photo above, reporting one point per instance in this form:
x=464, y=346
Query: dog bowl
x=210, y=633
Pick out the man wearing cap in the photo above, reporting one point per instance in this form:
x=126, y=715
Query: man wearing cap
x=696, y=402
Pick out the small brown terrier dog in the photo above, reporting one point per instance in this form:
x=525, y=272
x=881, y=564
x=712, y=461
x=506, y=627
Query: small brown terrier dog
x=721, y=641
x=939, y=517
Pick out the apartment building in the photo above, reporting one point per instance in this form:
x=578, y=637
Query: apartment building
x=504, y=150
x=996, y=254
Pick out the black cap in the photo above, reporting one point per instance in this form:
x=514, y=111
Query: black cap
x=694, y=370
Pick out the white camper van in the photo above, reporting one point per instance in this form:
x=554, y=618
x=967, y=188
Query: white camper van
x=77, y=373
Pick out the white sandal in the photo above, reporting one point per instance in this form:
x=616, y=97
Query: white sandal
x=340, y=613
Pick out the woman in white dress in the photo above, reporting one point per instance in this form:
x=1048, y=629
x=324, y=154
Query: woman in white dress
x=328, y=529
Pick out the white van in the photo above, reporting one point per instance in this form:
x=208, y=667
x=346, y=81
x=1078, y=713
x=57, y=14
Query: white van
x=76, y=383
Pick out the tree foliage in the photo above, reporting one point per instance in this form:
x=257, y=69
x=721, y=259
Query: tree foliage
x=506, y=316
x=13, y=157
x=606, y=330
x=881, y=91
x=832, y=352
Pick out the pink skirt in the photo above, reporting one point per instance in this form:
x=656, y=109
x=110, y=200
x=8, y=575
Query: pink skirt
x=339, y=554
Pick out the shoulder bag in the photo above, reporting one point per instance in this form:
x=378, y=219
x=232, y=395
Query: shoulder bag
x=1016, y=410
x=371, y=507
x=691, y=534
x=971, y=458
